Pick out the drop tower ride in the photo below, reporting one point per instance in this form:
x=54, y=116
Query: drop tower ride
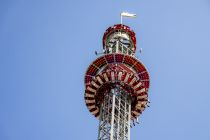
x=116, y=85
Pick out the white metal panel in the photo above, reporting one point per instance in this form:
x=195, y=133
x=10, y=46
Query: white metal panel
x=99, y=80
x=141, y=90
x=138, y=85
x=119, y=76
x=142, y=102
x=136, y=113
x=90, y=89
x=96, y=111
x=94, y=84
x=126, y=77
x=142, y=97
x=90, y=101
x=112, y=76
x=132, y=81
x=142, y=109
x=91, y=107
x=89, y=95
x=138, y=106
x=105, y=77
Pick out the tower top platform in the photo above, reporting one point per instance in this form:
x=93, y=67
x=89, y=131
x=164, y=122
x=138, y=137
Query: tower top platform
x=117, y=36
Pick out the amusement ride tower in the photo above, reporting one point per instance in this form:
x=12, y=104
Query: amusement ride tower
x=116, y=84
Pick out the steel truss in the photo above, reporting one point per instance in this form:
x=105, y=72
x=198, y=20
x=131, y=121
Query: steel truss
x=115, y=113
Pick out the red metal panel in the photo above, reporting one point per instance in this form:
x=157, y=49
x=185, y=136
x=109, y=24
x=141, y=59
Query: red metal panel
x=109, y=58
x=129, y=60
x=119, y=57
x=100, y=62
x=139, y=67
x=91, y=70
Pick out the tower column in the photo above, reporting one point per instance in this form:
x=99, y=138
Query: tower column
x=114, y=117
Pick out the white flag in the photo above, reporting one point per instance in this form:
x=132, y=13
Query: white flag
x=126, y=14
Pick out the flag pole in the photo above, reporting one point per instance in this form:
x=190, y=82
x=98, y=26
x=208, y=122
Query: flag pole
x=120, y=18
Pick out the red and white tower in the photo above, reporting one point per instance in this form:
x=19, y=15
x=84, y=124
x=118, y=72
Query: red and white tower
x=116, y=84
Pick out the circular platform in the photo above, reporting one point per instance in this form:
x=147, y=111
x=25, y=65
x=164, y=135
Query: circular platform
x=120, y=70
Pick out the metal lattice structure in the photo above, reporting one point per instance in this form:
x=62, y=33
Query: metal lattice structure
x=115, y=116
x=117, y=84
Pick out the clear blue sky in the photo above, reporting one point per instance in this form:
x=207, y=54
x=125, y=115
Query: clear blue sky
x=47, y=45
